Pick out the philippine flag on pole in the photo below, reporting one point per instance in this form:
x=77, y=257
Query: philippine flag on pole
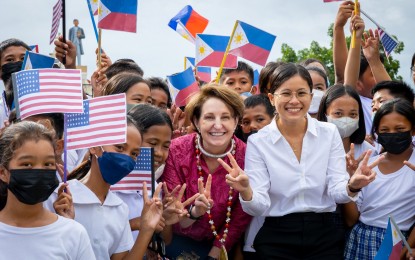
x=391, y=246
x=188, y=23
x=204, y=73
x=120, y=15
x=251, y=43
x=210, y=50
x=183, y=86
x=37, y=61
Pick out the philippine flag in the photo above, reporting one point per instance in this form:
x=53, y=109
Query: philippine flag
x=120, y=15
x=251, y=43
x=188, y=23
x=183, y=85
x=37, y=61
x=204, y=73
x=210, y=50
x=391, y=246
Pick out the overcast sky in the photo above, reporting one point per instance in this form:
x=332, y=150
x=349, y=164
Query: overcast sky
x=160, y=51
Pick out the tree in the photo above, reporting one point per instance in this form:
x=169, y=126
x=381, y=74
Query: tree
x=326, y=55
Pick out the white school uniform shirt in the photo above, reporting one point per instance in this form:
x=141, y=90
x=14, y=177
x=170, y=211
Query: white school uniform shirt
x=63, y=239
x=107, y=224
x=135, y=202
x=389, y=194
x=367, y=112
x=281, y=185
x=359, y=149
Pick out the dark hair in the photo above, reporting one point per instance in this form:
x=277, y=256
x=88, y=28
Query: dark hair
x=147, y=116
x=321, y=73
x=242, y=66
x=82, y=170
x=260, y=100
x=364, y=64
x=398, y=105
x=397, y=89
x=123, y=65
x=231, y=99
x=264, y=75
x=12, y=42
x=307, y=62
x=338, y=91
x=75, y=20
x=11, y=139
x=286, y=71
x=413, y=60
x=159, y=83
x=121, y=83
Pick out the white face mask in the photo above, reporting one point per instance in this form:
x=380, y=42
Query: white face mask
x=315, y=101
x=346, y=125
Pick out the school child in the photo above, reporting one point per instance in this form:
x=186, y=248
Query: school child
x=160, y=93
x=240, y=79
x=102, y=213
x=391, y=192
x=27, y=178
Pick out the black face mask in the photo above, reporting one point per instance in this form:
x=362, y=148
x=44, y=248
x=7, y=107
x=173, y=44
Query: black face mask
x=32, y=186
x=9, y=68
x=395, y=143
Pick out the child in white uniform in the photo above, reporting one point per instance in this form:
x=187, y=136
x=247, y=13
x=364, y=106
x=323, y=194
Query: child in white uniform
x=27, y=230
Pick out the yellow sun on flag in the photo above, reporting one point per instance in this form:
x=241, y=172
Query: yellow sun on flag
x=202, y=50
x=95, y=1
x=185, y=36
x=238, y=38
x=99, y=10
x=395, y=234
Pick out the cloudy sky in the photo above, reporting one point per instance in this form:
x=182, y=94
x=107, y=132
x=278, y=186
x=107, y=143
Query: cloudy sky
x=160, y=51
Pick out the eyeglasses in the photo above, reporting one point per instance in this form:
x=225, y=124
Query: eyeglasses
x=286, y=96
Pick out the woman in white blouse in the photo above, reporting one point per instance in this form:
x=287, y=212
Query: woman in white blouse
x=297, y=173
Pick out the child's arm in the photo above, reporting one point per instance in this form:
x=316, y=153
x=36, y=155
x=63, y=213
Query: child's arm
x=350, y=213
x=353, y=61
x=371, y=52
x=339, y=40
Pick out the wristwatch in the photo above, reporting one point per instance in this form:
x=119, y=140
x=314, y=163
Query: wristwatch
x=190, y=213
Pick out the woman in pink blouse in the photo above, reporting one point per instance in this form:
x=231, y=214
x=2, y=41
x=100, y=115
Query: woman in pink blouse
x=216, y=220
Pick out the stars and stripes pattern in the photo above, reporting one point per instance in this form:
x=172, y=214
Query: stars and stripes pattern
x=142, y=173
x=103, y=122
x=47, y=91
x=56, y=18
x=388, y=42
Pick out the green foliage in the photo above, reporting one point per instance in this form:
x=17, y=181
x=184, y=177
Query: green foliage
x=325, y=54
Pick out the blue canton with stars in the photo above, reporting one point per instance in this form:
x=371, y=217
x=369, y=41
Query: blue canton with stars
x=28, y=82
x=144, y=160
x=79, y=119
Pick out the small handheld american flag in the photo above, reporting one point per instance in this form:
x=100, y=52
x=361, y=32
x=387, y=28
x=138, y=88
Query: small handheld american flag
x=143, y=172
x=388, y=42
x=56, y=18
x=47, y=91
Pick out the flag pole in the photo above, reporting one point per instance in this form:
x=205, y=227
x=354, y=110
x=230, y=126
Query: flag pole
x=64, y=28
x=356, y=12
x=99, y=47
x=226, y=51
x=92, y=19
x=371, y=19
x=65, y=147
x=185, y=62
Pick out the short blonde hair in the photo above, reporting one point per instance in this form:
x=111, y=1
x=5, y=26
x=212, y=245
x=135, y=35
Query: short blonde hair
x=231, y=99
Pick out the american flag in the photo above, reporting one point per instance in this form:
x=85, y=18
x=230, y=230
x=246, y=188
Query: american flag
x=389, y=43
x=103, y=122
x=56, y=18
x=47, y=91
x=143, y=172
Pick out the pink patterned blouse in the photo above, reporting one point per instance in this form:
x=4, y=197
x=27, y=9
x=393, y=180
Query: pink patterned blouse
x=181, y=167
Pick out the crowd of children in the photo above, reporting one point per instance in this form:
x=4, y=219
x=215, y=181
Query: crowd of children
x=295, y=167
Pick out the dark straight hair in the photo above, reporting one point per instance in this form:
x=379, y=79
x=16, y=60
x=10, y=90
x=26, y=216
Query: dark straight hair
x=285, y=72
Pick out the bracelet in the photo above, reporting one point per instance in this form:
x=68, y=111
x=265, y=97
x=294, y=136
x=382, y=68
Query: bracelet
x=352, y=190
x=190, y=213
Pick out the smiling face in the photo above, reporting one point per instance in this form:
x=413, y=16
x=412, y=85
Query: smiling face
x=255, y=118
x=380, y=97
x=139, y=94
x=158, y=137
x=394, y=123
x=344, y=106
x=238, y=81
x=294, y=108
x=12, y=54
x=216, y=125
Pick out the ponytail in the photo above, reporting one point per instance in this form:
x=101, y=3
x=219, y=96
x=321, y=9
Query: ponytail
x=81, y=171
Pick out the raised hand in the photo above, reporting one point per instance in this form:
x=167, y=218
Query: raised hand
x=67, y=50
x=344, y=13
x=152, y=210
x=63, y=205
x=203, y=201
x=236, y=177
x=178, y=118
x=351, y=162
x=357, y=24
x=175, y=209
x=371, y=44
x=364, y=173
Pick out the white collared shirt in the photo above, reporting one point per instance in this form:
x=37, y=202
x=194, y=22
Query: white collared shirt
x=107, y=225
x=281, y=185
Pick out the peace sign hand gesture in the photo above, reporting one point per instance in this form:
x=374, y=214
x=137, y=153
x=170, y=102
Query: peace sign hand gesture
x=351, y=162
x=174, y=210
x=203, y=201
x=236, y=178
x=364, y=173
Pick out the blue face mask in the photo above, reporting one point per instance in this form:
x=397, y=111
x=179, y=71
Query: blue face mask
x=115, y=166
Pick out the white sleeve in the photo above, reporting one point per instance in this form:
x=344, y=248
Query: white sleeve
x=85, y=251
x=337, y=176
x=259, y=179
